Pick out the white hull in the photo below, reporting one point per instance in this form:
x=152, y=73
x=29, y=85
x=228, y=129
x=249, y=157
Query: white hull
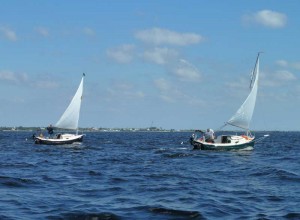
x=60, y=139
x=224, y=142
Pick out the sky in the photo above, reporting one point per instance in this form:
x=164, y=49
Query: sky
x=170, y=64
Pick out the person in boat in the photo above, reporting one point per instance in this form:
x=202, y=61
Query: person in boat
x=38, y=133
x=209, y=135
x=50, y=130
x=192, y=138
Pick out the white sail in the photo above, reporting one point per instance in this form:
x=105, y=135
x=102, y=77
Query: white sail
x=70, y=118
x=244, y=114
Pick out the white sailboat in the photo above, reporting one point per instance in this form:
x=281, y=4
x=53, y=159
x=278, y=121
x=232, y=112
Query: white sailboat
x=69, y=120
x=241, y=119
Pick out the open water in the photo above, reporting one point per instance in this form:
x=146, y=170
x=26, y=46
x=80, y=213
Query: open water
x=148, y=176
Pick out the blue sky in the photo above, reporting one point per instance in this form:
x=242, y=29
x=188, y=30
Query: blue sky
x=170, y=64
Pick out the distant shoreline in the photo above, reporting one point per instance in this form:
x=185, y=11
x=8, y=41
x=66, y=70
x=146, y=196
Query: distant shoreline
x=150, y=129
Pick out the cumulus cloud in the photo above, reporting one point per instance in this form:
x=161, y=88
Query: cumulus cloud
x=282, y=63
x=296, y=65
x=162, y=84
x=40, y=81
x=166, y=90
x=160, y=56
x=12, y=77
x=158, y=36
x=185, y=71
x=238, y=86
x=8, y=34
x=127, y=91
x=89, y=31
x=44, y=81
x=122, y=54
x=286, y=64
x=283, y=75
x=42, y=31
x=169, y=92
x=45, y=84
x=267, y=18
x=277, y=78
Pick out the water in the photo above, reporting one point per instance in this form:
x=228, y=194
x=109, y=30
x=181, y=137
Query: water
x=148, y=176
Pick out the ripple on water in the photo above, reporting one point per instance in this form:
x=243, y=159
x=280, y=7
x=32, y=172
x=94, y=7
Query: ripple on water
x=16, y=182
x=86, y=216
x=176, y=213
x=292, y=215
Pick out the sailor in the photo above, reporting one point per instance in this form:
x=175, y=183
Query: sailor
x=192, y=138
x=209, y=135
x=50, y=130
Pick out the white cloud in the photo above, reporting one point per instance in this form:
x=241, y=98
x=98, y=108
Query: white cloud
x=162, y=84
x=45, y=84
x=284, y=63
x=278, y=78
x=238, y=84
x=167, y=98
x=140, y=94
x=13, y=77
x=167, y=91
x=284, y=75
x=170, y=92
x=268, y=18
x=45, y=81
x=42, y=31
x=122, y=54
x=180, y=68
x=23, y=79
x=160, y=36
x=89, y=32
x=8, y=34
x=185, y=71
x=122, y=86
x=123, y=90
x=160, y=56
x=296, y=65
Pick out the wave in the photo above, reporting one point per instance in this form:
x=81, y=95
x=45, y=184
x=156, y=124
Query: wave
x=15, y=182
x=176, y=212
x=280, y=174
x=292, y=215
x=87, y=216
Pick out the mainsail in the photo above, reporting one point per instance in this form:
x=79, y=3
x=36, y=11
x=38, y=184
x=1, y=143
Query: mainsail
x=244, y=114
x=70, y=118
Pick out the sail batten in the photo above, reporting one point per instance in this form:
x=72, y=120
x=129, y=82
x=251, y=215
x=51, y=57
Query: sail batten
x=70, y=118
x=243, y=116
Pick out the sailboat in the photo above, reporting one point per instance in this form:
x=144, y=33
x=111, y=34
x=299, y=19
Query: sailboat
x=241, y=119
x=69, y=120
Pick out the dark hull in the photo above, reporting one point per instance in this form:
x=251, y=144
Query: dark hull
x=221, y=147
x=38, y=140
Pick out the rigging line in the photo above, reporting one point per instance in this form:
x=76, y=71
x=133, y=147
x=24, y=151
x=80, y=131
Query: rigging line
x=227, y=123
x=221, y=128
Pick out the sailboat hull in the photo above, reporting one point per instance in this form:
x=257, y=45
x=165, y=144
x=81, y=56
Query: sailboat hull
x=59, y=140
x=238, y=144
